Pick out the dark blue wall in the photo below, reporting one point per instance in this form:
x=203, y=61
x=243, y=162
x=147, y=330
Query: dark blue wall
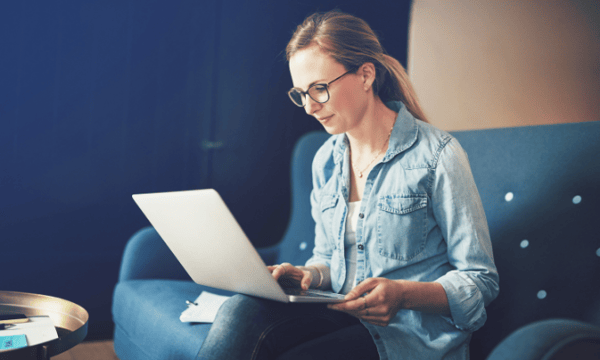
x=103, y=99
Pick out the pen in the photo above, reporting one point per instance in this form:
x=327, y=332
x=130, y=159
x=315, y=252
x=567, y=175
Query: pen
x=6, y=326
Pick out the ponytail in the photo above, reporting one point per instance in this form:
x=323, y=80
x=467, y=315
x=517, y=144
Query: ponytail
x=399, y=87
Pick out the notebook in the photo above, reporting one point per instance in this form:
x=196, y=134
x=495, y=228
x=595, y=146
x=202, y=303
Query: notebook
x=199, y=229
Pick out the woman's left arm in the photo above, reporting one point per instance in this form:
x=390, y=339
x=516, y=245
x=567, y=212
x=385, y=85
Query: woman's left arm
x=458, y=211
x=462, y=293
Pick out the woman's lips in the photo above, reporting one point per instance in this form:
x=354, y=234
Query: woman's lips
x=324, y=120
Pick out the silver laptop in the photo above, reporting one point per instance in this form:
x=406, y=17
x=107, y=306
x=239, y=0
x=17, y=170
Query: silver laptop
x=211, y=246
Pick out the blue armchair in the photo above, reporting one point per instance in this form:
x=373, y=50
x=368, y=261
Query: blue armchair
x=539, y=188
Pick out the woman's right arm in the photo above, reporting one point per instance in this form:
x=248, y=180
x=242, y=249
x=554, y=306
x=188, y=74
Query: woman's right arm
x=320, y=262
x=316, y=272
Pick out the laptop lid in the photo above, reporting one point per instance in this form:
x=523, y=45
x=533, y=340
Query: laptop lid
x=204, y=236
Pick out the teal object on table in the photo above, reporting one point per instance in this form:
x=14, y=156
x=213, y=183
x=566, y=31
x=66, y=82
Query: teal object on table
x=13, y=342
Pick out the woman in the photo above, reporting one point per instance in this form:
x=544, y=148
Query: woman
x=400, y=227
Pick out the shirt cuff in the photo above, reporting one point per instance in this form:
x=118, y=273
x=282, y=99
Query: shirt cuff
x=465, y=300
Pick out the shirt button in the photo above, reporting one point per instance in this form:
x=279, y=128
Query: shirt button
x=360, y=247
x=376, y=337
x=361, y=215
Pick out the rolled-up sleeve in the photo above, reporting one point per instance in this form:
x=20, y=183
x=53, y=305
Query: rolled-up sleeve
x=457, y=207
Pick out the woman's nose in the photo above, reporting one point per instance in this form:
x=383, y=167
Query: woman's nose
x=311, y=105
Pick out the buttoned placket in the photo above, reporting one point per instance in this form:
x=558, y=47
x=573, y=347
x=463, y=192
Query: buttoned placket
x=361, y=241
x=344, y=170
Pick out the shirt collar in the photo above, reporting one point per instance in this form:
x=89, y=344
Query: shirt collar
x=403, y=136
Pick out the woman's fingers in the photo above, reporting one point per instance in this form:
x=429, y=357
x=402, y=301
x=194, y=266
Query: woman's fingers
x=306, y=279
x=289, y=275
x=279, y=270
x=378, y=305
x=349, y=306
x=379, y=315
x=364, y=287
x=276, y=271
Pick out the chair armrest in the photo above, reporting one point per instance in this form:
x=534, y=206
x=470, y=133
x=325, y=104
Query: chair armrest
x=146, y=256
x=550, y=339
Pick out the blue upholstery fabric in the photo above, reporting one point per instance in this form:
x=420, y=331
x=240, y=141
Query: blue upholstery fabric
x=146, y=314
x=545, y=240
x=299, y=239
x=159, y=262
x=548, y=338
x=544, y=244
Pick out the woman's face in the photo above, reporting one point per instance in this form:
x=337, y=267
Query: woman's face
x=347, y=96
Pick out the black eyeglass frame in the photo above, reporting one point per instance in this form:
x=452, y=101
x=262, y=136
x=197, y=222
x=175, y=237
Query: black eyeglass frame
x=304, y=93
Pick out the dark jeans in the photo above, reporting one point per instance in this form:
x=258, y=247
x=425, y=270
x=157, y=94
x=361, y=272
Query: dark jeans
x=251, y=328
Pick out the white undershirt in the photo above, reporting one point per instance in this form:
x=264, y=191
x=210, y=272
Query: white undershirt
x=350, y=246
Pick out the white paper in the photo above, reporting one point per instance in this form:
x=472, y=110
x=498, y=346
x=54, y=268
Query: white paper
x=38, y=329
x=205, y=310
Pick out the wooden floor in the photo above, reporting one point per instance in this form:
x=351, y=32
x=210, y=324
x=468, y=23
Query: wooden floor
x=89, y=350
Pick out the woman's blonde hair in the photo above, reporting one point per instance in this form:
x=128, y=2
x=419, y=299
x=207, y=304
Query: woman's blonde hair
x=351, y=42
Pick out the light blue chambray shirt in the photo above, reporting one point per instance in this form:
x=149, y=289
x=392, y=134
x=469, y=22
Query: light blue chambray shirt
x=421, y=220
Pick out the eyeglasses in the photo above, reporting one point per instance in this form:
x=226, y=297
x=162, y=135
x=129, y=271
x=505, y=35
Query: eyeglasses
x=317, y=92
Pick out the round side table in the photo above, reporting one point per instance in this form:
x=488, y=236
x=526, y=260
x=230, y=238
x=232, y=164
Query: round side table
x=70, y=321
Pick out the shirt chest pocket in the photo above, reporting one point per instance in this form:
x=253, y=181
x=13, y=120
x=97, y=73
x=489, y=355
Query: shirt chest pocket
x=402, y=225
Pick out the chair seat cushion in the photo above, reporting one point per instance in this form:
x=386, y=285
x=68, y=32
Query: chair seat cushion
x=146, y=315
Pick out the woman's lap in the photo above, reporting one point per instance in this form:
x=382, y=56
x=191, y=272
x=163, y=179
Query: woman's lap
x=252, y=328
x=351, y=342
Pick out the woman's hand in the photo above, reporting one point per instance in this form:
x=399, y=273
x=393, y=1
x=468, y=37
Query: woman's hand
x=383, y=299
x=290, y=276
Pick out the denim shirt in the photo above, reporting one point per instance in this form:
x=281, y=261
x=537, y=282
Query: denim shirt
x=421, y=219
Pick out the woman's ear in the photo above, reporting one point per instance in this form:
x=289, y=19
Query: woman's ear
x=368, y=74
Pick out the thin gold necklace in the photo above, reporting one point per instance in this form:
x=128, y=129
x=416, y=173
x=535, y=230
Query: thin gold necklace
x=359, y=172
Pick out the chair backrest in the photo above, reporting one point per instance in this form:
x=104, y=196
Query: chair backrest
x=539, y=187
x=299, y=239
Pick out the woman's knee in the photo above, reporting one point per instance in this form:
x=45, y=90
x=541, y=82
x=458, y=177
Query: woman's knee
x=236, y=303
x=234, y=330
x=240, y=304
x=241, y=308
